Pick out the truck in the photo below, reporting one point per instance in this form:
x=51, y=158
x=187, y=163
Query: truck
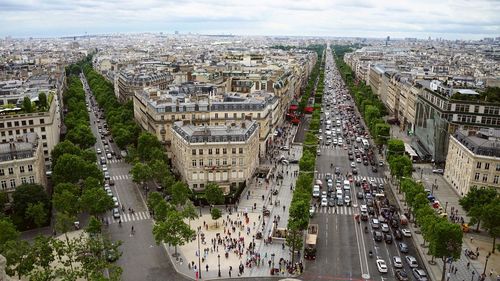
x=311, y=238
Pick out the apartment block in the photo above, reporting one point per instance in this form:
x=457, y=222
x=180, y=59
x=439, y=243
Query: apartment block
x=21, y=161
x=227, y=154
x=473, y=159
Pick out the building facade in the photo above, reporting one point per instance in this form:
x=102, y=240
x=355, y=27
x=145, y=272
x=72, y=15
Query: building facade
x=46, y=124
x=473, y=159
x=21, y=161
x=226, y=154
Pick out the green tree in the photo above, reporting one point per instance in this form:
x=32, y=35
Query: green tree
x=19, y=260
x=214, y=194
x=382, y=132
x=146, y=143
x=27, y=105
x=294, y=239
x=179, y=192
x=42, y=253
x=446, y=242
x=491, y=220
x=189, y=211
x=173, y=231
x=42, y=100
x=153, y=199
x=140, y=173
x=299, y=215
x=96, y=201
x=81, y=135
x=66, y=201
x=4, y=199
x=395, y=147
x=94, y=226
x=63, y=148
x=23, y=196
x=8, y=233
x=38, y=213
x=216, y=214
x=73, y=169
x=401, y=166
x=475, y=200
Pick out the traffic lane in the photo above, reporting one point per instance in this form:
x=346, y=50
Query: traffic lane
x=129, y=196
x=142, y=258
x=315, y=268
x=346, y=248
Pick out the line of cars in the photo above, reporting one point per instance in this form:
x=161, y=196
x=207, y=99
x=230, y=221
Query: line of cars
x=338, y=193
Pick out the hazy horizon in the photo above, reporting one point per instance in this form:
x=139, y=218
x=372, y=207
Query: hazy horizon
x=455, y=19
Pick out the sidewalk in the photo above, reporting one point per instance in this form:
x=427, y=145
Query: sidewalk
x=449, y=198
x=243, y=235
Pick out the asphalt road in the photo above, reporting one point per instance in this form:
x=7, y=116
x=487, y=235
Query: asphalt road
x=342, y=244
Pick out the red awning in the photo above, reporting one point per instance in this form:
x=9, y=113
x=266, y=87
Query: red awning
x=293, y=107
x=308, y=109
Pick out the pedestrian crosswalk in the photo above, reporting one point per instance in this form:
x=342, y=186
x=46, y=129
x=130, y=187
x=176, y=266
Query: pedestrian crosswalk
x=338, y=210
x=115, y=161
x=356, y=177
x=121, y=177
x=127, y=217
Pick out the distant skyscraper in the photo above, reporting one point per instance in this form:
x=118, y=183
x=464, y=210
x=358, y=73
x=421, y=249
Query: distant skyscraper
x=387, y=40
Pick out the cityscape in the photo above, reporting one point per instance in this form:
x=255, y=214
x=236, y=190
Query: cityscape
x=293, y=140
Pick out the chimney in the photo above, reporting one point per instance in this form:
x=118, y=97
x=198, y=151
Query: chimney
x=243, y=125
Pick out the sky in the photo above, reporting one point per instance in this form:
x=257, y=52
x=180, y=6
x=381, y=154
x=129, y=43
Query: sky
x=448, y=19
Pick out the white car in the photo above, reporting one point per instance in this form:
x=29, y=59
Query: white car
x=104, y=168
x=397, y=262
x=324, y=202
x=385, y=227
x=98, y=151
x=412, y=261
x=406, y=232
x=381, y=266
x=353, y=165
x=115, y=201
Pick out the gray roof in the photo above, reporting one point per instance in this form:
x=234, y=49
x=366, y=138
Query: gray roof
x=485, y=142
x=228, y=133
x=25, y=147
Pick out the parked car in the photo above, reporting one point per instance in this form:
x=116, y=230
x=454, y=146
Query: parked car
x=403, y=248
x=401, y=275
x=419, y=274
x=412, y=261
x=438, y=171
x=116, y=213
x=381, y=266
x=397, y=262
x=406, y=232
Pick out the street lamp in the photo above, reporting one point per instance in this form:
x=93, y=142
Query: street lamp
x=272, y=260
x=445, y=206
x=199, y=205
x=472, y=279
x=253, y=242
x=218, y=258
x=199, y=255
x=486, y=263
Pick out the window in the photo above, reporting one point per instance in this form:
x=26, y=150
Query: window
x=225, y=115
x=12, y=183
x=478, y=165
x=241, y=161
x=23, y=180
x=30, y=168
x=485, y=177
x=210, y=151
x=44, y=137
x=32, y=179
x=4, y=185
x=9, y=124
x=42, y=129
x=2, y=172
x=486, y=166
x=217, y=162
x=233, y=161
x=11, y=171
x=193, y=151
x=476, y=177
x=23, y=122
x=42, y=121
x=224, y=161
x=495, y=179
x=216, y=115
x=194, y=162
x=241, y=150
x=498, y=167
x=200, y=162
x=195, y=185
x=200, y=151
x=30, y=122
x=224, y=151
x=210, y=162
x=217, y=151
x=21, y=169
x=233, y=150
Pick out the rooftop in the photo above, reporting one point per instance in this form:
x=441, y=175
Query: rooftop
x=485, y=142
x=228, y=133
x=24, y=147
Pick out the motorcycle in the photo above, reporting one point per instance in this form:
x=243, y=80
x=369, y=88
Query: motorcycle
x=366, y=229
x=370, y=254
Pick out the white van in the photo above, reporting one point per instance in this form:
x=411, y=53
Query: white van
x=316, y=192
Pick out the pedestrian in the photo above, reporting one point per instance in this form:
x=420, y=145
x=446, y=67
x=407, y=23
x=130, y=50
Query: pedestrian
x=468, y=264
x=471, y=239
x=455, y=271
x=206, y=266
x=284, y=207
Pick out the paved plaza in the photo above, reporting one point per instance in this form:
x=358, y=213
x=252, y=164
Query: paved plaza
x=231, y=240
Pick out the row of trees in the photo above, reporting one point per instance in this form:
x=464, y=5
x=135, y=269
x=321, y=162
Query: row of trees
x=399, y=163
x=482, y=205
x=302, y=195
x=444, y=237
x=119, y=117
x=313, y=77
x=47, y=258
x=369, y=105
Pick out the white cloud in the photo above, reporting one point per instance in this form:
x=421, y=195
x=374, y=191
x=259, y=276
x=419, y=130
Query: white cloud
x=362, y=18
